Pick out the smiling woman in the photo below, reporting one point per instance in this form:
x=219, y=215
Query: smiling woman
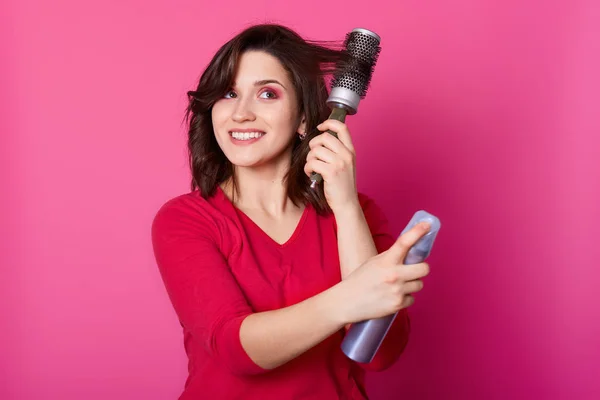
x=261, y=108
x=270, y=63
x=264, y=272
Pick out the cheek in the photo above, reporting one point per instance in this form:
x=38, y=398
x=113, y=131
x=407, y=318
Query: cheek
x=219, y=119
x=218, y=114
x=283, y=117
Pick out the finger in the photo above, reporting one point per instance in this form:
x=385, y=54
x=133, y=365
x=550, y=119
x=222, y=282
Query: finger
x=343, y=154
x=323, y=154
x=407, y=301
x=341, y=129
x=319, y=167
x=405, y=241
x=413, y=286
x=329, y=141
x=411, y=272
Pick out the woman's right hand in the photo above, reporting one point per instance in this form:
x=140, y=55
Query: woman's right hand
x=384, y=285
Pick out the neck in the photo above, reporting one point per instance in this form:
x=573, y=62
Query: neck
x=261, y=188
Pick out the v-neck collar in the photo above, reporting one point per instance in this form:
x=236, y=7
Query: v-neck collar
x=289, y=241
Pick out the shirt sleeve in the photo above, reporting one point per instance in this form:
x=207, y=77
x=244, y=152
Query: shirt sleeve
x=397, y=337
x=202, y=289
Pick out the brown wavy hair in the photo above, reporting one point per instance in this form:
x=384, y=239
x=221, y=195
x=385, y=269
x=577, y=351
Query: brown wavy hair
x=308, y=64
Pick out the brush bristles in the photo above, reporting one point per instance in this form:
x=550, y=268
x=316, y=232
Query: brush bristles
x=356, y=73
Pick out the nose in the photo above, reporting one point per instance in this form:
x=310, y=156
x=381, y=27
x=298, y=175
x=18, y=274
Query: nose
x=243, y=111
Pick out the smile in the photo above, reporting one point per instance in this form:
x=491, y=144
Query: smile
x=246, y=135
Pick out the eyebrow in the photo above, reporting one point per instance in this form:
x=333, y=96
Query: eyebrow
x=267, y=81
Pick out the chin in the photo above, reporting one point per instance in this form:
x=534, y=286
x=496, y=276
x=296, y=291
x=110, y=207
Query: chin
x=255, y=157
x=246, y=162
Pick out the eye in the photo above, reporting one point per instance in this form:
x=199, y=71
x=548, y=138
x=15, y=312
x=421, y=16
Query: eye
x=230, y=94
x=268, y=94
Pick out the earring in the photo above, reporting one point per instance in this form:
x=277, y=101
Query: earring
x=302, y=135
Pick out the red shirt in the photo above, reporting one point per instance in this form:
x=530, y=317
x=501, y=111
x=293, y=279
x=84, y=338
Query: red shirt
x=218, y=267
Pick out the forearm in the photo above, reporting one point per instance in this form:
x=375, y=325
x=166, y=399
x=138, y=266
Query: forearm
x=273, y=338
x=355, y=242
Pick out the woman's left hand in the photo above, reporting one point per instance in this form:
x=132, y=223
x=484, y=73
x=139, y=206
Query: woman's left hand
x=334, y=159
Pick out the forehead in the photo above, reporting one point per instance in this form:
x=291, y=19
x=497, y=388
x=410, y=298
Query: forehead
x=258, y=65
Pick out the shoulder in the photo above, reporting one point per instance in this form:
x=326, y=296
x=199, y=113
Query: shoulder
x=180, y=206
x=188, y=212
x=374, y=214
x=188, y=230
x=377, y=221
x=364, y=199
x=369, y=206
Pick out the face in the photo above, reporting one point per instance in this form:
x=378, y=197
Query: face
x=257, y=120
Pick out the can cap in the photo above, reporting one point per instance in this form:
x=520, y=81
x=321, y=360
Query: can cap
x=424, y=245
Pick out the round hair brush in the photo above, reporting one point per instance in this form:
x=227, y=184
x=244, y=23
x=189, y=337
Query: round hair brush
x=351, y=79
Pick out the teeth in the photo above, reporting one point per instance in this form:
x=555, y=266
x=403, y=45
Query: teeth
x=246, y=135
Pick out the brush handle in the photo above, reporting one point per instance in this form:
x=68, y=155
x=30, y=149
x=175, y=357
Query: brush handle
x=339, y=114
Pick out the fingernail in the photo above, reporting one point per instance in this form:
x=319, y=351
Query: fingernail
x=425, y=225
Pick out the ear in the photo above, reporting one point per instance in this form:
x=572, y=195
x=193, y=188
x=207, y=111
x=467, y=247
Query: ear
x=302, y=125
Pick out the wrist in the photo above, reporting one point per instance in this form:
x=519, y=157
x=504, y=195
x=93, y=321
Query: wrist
x=350, y=209
x=338, y=304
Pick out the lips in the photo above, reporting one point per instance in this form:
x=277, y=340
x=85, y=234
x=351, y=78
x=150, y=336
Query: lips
x=246, y=134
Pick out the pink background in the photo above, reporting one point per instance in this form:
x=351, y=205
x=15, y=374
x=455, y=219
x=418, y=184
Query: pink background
x=483, y=113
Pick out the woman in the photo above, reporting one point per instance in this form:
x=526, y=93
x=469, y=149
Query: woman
x=265, y=273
